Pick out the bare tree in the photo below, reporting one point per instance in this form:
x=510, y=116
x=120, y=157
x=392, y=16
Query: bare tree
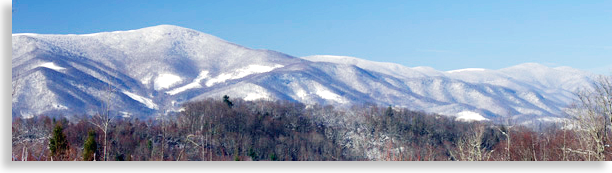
x=469, y=146
x=163, y=133
x=103, y=120
x=507, y=134
x=506, y=130
x=473, y=141
x=592, y=115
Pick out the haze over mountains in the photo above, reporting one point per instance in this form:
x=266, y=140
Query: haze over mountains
x=153, y=70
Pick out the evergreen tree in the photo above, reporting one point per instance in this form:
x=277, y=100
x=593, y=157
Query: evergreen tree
x=227, y=101
x=90, y=147
x=253, y=155
x=58, y=144
x=389, y=111
x=273, y=157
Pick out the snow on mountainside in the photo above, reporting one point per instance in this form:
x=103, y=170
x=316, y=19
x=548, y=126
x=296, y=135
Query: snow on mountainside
x=525, y=89
x=381, y=67
x=163, y=64
x=153, y=70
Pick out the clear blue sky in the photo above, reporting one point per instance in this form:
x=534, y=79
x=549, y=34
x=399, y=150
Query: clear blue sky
x=445, y=35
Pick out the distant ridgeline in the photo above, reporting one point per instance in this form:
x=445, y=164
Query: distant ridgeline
x=156, y=70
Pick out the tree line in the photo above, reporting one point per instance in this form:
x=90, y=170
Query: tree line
x=234, y=129
x=265, y=130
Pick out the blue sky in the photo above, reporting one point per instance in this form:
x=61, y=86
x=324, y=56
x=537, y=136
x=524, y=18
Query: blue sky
x=445, y=35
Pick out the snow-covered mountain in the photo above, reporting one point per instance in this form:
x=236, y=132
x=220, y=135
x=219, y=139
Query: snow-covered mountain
x=146, y=69
x=153, y=70
x=525, y=91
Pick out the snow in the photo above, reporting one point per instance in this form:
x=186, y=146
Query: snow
x=240, y=73
x=470, y=116
x=146, y=80
x=164, y=81
x=314, y=89
x=328, y=95
x=100, y=33
x=51, y=65
x=466, y=69
x=26, y=115
x=146, y=101
x=381, y=67
x=60, y=107
x=157, y=55
x=255, y=96
x=301, y=94
x=125, y=114
x=25, y=34
x=194, y=84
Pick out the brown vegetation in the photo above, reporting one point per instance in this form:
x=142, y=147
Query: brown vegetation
x=263, y=130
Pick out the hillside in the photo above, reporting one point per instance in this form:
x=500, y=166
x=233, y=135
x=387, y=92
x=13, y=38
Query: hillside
x=154, y=70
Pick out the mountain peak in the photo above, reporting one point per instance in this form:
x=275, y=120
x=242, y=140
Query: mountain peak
x=530, y=65
x=159, y=30
x=152, y=30
x=166, y=28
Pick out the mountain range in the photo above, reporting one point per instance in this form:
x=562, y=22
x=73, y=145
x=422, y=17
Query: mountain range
x=152, y=71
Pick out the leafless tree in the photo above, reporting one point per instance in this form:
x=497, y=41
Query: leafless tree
x=592, y=115
x=469, y=146
x=103, y=120
x=506, y=132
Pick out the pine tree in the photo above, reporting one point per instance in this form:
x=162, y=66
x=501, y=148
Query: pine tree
x=252, y=154
x=227, y=101
x=58, y=144
x=90, y=147
x=273, y=157
x=389, y=111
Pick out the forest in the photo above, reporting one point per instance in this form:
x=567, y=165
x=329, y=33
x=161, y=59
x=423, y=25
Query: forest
x=227, y=129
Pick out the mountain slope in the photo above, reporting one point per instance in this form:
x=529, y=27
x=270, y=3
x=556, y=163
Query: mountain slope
x=153, y=70
x=524, y=89
x=144, y=65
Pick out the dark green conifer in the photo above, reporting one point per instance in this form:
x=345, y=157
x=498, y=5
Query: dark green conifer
x=90, y=147
x=389, y=111
x=227, y=101
x=58, y=144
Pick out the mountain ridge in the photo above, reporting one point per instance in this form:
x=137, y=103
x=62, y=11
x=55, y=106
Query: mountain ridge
x=153, y=70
